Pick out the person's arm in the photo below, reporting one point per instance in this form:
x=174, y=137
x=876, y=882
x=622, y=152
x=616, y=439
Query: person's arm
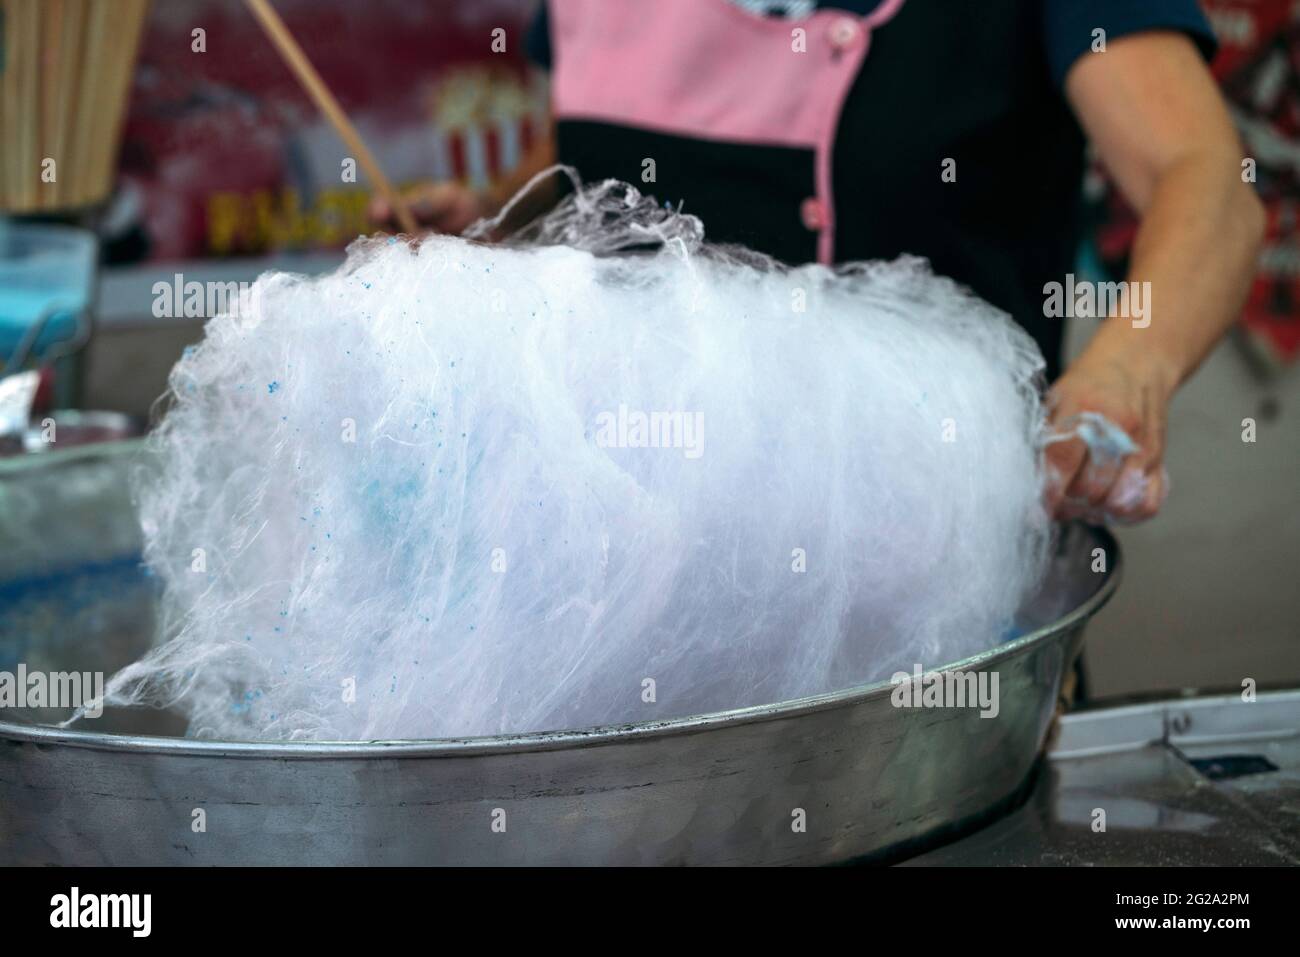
x=1152, y=110
x=449, y=207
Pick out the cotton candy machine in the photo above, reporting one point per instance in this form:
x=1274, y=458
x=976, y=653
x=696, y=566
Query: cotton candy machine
x=833, y=778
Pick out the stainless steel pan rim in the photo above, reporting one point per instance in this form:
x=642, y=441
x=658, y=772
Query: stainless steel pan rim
x=551, y=740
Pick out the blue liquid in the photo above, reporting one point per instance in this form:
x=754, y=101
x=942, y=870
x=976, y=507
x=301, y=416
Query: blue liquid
x=43, y=269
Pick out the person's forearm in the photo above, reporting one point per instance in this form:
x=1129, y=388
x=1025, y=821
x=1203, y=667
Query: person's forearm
x=1160, y=127
x=1197, y=248
x=542, y=197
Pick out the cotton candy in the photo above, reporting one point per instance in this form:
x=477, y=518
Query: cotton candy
x=605, y=473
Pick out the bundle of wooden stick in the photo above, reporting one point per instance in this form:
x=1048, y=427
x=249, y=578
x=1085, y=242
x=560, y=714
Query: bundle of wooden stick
x=65, y=77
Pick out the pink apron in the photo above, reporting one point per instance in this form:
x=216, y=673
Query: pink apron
x=710, y=70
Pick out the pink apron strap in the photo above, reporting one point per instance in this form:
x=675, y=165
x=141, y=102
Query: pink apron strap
x=709, y=70
x=882, y=14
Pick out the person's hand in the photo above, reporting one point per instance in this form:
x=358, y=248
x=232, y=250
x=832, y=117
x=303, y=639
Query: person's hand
x=443, y=207
x=1133, y=392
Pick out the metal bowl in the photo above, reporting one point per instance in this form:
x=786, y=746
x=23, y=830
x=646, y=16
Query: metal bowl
x=826, y=779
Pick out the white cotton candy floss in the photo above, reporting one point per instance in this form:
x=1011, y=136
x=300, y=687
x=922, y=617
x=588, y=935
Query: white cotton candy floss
x=606, y=474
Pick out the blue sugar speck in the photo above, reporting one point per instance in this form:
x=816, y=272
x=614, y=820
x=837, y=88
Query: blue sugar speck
x=271, y=388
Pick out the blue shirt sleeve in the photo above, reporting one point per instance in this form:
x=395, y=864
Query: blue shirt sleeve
x=1069, y=26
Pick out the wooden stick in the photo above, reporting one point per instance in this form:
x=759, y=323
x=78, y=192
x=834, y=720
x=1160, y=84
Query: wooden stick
x=88, y=149
x=66, y=24
x=91, y=104
x=31, y=98
x=8, y=113
x=77, y=24
x=84, y=151
x=15, y=65
x=14, y=106
x=306, y=73
x=51, y=56
x=115, y=91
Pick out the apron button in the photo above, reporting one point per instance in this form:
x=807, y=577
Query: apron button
x=844, y=33
x=813, y=213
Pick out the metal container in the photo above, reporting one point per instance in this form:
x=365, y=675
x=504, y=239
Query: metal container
x=826, y=779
